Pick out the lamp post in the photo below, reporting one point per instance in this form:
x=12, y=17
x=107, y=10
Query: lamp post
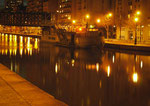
x=136, y=19
x=109, y=15
x=98, y=20
x=87, y=17
x=73, y=22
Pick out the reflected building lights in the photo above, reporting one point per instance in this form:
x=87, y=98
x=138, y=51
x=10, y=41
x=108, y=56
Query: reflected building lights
x=10, y=52
x=108, y=71
x=97, y=67
x=2, y=51
x=6, y=51
x=36, y=43
x=56, y=68
x=100, y=84
x=28, y=42
x=73, y=61
x=141, y=64
x=6, y=38
x=113, y=59
x=135, y=77
x=21, y=51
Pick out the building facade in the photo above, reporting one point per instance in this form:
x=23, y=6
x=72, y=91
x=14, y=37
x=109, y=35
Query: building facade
x=35, y=6
x=77, y=10
x=13, y=4
x=128, y=28
x=50, y=6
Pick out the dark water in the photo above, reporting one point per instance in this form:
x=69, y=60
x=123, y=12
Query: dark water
x=80, y=77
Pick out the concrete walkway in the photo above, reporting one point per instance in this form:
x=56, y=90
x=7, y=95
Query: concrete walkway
x=117, y=44
x=16, y=91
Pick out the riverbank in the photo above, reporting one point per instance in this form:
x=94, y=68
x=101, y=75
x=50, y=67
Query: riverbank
x=16, y=91
x=126, y=45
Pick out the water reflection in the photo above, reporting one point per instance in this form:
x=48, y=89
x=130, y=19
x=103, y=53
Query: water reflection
x=135, y=77
x=81, y=77
x=14, y=44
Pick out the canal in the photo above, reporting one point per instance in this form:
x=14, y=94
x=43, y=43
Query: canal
x=80, y=77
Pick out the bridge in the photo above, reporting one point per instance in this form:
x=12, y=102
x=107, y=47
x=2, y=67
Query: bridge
x=25, y=19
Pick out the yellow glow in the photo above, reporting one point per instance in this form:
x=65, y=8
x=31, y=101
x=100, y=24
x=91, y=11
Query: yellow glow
x=135, y=77
x=138, y=13
x=56, y=68
x=73, y=61
x=21, y=51
x=36, y=43
x=98, y=20
x=113, y=59
x=80, y=29
x=6, y=51
x=2, y=51
x=87, y=16
x=136, y=19
x=100, y=84
x=91, y=26
x=30, y=51
x=74, y=21
x=69, y=18
x=6, y=38
x=15, y=40
x=15, y=51
x=28, y=42
x=108, y=71
x=10, y=52
x=97, y=67
x=141, y=64
x=110, y=14
x=21, y=41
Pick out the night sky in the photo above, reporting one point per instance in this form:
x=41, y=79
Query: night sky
x=1, y=3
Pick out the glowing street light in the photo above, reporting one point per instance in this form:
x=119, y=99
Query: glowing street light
x=136, y=19
x=87, y=16
x=110, y=14
x=138, y=13
x=98, y=21
x=74, y=21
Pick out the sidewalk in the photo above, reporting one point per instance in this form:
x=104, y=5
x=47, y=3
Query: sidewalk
x=128, y=45
x=16, y=91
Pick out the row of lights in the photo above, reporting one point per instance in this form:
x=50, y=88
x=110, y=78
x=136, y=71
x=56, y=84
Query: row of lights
x=88, y=17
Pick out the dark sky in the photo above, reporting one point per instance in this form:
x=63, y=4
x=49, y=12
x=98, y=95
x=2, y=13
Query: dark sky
x=1, y=3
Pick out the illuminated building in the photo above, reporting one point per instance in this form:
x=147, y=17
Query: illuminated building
x=125, y=13
x=77, y=9
x=35, y=6
x=13, y=4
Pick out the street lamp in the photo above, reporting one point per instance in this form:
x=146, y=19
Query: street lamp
x=138, y=12
x=87, y=17
x=98, y=20
x=110, y=14
x=136, y=19
x=73, y=22
x=108, y=18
